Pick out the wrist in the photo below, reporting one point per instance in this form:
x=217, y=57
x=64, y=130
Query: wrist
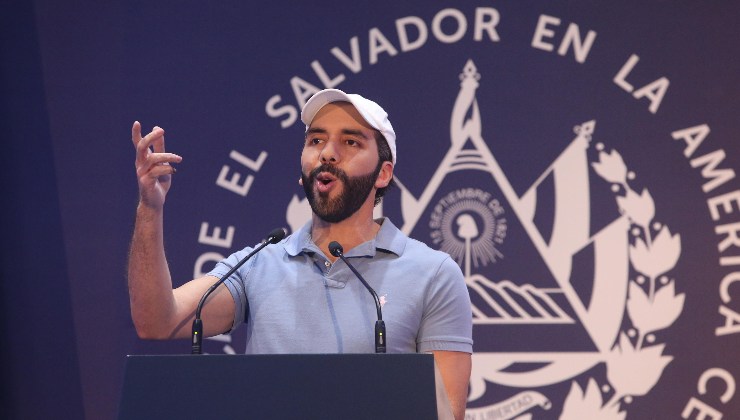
x=146, y=211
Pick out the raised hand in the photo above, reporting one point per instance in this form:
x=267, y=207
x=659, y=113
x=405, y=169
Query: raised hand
x=153, y=166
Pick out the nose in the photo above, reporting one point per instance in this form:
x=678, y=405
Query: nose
x=329, y=153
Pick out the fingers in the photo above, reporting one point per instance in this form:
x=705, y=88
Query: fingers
x=161, y=170
x=144, y=144
x=151, y=159
x=136, y=133
x=158, y=140
x=157, y=164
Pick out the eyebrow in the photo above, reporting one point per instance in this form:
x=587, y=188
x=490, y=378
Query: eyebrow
x=348, y=131
x=315, y=131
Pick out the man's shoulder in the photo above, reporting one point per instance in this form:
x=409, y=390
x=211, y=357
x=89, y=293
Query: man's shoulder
x=426, y=258
x=417, y=247
x=412, y=248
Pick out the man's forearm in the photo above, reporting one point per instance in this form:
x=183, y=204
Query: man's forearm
x=149, y=281
x=455, y=368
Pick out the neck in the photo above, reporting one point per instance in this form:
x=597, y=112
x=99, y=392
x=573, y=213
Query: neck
x=350, y=232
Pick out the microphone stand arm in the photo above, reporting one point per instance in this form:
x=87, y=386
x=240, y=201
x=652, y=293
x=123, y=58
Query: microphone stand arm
x=197, y=331
x=380, y=340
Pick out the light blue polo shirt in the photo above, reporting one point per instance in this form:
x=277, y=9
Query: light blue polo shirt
x=295, y=301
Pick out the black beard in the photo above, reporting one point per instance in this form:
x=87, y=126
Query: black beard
x=355, y=192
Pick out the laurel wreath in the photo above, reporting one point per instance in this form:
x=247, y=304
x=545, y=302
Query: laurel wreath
x=636, y=362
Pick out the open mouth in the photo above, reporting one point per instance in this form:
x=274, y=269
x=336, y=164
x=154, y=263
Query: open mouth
x=325, y=181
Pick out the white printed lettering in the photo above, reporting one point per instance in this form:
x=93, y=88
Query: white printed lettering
x=216, y=239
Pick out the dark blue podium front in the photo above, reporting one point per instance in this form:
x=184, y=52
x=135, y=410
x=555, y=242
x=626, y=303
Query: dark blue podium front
x=312, y=386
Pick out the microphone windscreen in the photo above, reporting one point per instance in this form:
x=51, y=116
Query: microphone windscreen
x=335, y=249
x=276, y=235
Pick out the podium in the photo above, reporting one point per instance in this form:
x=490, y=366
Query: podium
x=311, y=386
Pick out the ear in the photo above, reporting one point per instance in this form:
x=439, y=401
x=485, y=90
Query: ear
x=385, y=175
x=300, y=181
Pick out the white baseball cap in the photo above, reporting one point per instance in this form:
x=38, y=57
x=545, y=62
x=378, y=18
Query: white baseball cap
x=370, y=111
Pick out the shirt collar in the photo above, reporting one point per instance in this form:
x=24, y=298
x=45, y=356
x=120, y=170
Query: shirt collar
x=388, y=239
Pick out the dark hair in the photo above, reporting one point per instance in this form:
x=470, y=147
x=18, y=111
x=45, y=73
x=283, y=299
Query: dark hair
x=384, y=154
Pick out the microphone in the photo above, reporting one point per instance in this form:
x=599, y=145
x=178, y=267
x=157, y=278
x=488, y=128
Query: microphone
x=273, y=237
x=380, y=337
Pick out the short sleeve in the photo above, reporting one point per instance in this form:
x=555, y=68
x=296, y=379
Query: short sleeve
x=447, y=321
x=235, y=283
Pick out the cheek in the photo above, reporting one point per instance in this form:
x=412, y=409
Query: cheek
x=305, y=161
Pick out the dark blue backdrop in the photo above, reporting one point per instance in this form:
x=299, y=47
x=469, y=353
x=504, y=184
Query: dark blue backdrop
x=75, y=76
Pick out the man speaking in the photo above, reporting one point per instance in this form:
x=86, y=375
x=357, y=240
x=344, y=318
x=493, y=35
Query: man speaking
x=297, y=296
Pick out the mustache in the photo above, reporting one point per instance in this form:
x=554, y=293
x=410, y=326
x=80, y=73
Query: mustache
x=331, y=169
